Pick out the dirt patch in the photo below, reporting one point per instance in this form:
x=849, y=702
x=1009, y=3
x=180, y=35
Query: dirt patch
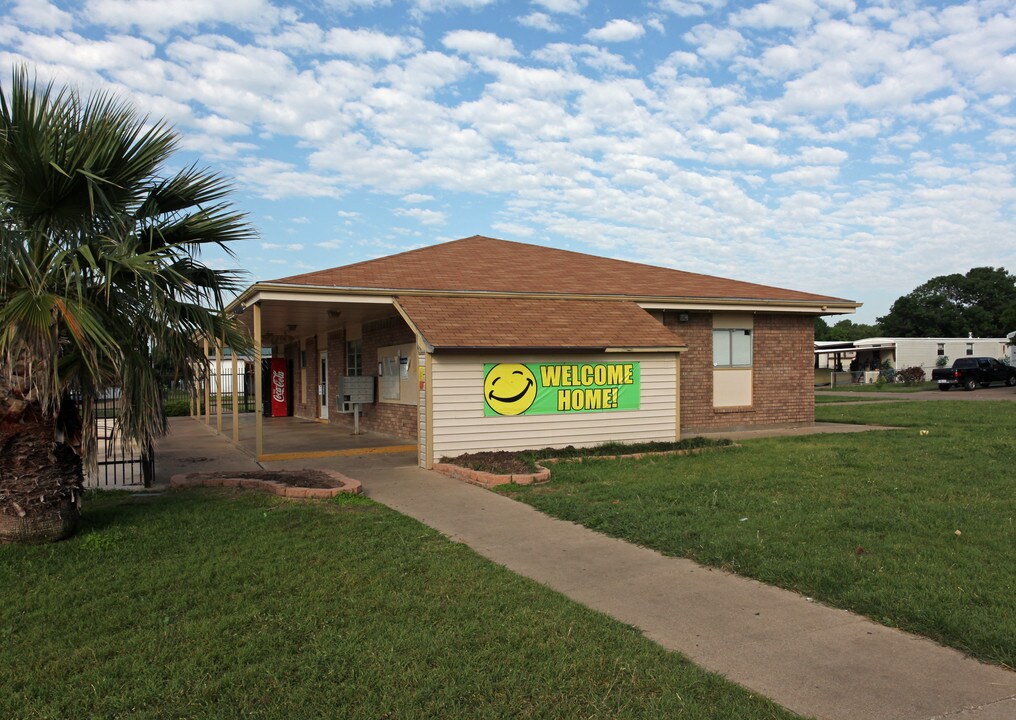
x=292, y=478
x=306, y=483
x=500, y=461
x=504, y=462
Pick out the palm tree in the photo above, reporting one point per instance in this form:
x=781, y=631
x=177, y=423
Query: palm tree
x=99, y=269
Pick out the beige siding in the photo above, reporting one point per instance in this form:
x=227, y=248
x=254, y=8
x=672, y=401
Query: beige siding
x=732, y=387
x=459, y=425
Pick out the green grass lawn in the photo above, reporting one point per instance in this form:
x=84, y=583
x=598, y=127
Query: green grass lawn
x=865, y=521
x=207, y=604
x=885, y=387
x=823, y=399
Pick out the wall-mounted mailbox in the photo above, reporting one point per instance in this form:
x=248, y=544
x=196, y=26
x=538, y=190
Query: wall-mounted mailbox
x=355, y=390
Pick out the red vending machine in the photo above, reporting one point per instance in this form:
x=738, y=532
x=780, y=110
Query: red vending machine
x=276, y=387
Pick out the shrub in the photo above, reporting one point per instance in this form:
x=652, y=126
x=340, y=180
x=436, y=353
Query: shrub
x=910, y=375
x=942, y=361
x=177, y=408
x=886, y=372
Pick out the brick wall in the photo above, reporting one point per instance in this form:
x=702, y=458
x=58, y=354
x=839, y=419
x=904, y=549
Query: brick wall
x=783, y=376
x=388, y=418
x=398, y=420
x=310, y=408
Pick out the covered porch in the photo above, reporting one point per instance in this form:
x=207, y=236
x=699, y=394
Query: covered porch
x=294, y=438
x=319, y=341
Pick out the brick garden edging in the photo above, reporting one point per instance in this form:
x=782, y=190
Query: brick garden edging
x=191, y=480
x=489, y=480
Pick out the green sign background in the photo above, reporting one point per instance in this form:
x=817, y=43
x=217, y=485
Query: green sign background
x=548, y=398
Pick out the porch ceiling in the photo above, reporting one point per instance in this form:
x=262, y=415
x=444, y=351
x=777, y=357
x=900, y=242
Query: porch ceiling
x=292, y=320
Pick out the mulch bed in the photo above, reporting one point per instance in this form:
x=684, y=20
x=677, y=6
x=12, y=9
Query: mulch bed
x=505, y=462
x=306, y=483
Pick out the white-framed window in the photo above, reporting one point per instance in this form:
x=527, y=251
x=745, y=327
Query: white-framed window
x=970, y=348
x=354, y=357
x=732, y=348
x=941, y=349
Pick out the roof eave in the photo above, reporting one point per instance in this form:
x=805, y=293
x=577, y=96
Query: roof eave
x=820, y=305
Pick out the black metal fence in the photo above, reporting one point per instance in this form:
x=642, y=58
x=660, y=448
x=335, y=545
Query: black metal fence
x=220, y=390
x=120, y=463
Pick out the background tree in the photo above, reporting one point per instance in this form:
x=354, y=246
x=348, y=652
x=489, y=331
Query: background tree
x=982, y=302
x=845, y=330
x=99, y=270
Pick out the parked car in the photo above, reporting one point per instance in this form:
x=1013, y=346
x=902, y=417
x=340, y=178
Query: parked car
x=969, y=372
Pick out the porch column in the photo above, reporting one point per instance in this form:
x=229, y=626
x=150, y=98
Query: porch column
x=259, y=420
x=208, y=386
x=236, y=404
x=192, y=393
x=677, y=397
x=218, y=386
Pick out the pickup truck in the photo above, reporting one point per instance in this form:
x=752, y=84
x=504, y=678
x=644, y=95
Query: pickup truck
x=969, y=372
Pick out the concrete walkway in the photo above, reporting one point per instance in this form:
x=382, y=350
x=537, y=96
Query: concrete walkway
x=812, y=659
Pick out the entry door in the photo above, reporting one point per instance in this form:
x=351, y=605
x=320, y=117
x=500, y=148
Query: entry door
x=323, y=385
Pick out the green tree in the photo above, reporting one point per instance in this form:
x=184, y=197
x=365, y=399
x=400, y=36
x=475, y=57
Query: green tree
x=844, y=330
x=982, y=302
x=99, y=270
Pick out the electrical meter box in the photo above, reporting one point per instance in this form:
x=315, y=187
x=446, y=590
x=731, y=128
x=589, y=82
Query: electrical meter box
x=355, y=390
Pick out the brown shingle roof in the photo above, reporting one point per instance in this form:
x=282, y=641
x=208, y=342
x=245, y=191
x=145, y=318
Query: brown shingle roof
x=482, y=264
x=477, y=322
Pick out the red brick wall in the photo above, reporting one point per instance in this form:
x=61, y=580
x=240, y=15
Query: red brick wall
x=310, y=408
x=782, y=377
x=388, y=418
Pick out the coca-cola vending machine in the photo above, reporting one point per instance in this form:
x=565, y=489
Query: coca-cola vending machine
x=276, y=387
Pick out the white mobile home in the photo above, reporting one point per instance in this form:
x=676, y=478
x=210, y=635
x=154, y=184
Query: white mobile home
x=863, y=358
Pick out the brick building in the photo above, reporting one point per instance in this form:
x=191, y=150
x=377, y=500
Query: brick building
x=488, y=344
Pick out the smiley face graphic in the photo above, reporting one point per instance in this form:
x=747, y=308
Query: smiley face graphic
x=509, y=388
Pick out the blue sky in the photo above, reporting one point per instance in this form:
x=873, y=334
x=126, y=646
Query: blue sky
x=849, y=148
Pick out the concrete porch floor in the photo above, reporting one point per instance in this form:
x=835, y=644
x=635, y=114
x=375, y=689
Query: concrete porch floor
x=288, y=438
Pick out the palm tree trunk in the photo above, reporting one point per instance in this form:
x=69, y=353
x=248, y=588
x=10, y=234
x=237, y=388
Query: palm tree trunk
x=40, y=478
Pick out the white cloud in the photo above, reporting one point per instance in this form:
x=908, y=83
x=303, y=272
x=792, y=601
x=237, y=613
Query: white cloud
x=715, y=43
x=823, y=155
x=510, y=230
x=158, y=16
x=477, y=42
x=41, y=15
x=423, y=7
x=617, y=31
x=367, y=44
x=570, y=7
x=539, y=21
x=291, y=247
x=778, y=14
x=425, y=217
x=593, y=56
x=690, y=8
x=811, y=175
x=273, y=179
x=417, y=198
x=220, y=126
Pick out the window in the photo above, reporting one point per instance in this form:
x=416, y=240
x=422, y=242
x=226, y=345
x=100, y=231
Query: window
x=970, y=348
x=354, y=357
x=941, y=349
x=731, y=348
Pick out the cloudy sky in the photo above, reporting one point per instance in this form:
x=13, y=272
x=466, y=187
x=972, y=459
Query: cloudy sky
x=850, y=148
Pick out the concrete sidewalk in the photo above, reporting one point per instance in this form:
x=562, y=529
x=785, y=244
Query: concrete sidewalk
x=812, y=659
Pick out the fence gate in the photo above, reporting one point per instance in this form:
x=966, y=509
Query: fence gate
x=120, y=464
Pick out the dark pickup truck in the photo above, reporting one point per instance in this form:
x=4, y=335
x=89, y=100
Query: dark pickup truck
x=969, y=372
